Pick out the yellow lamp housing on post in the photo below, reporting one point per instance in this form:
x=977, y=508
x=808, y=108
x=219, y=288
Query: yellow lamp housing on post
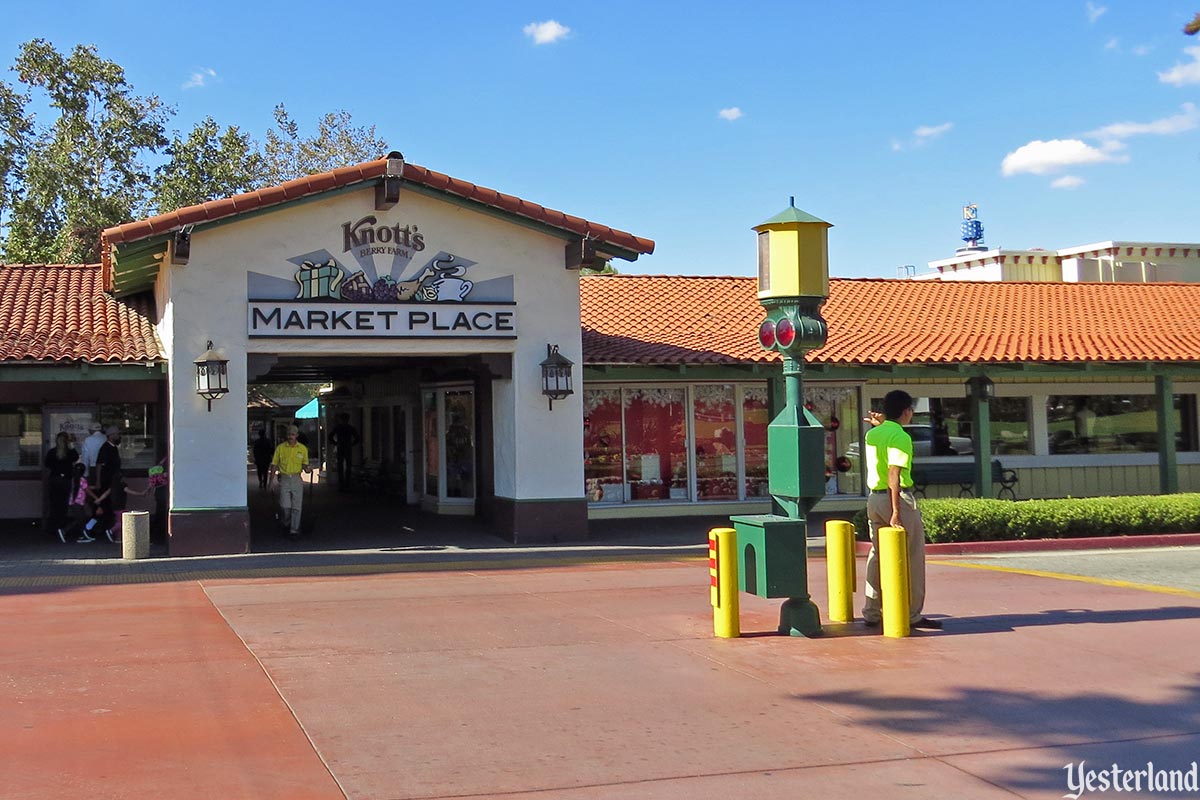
x=793, y=255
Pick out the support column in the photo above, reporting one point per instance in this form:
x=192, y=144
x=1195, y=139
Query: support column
x=981, y=426
x=1168, y=460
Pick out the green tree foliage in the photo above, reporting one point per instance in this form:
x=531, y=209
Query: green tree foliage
x=86, y=170
x=206, y=165
x=337, y=143
x=605, y=268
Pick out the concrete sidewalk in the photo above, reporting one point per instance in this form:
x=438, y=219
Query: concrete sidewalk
x=583, y=680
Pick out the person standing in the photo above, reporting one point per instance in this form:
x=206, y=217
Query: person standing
x=59, y=463
x=889, y=457
x=91, y=449
x=289, y=462
x=264, y=451
x=344, y=437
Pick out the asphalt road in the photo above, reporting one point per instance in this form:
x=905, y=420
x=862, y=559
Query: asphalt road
x=1169, y=567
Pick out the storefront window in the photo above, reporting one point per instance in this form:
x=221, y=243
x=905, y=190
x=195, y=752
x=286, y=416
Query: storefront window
x=942, y=430
x=1010, y=425
x=460, y=443
x=138, y=441
x=603, y=482
x=1185, y=423
x=429, y=427
x=656, y=463
x=755, y=418
x=715, y=418
x=836, y=408
x=1102, y=424
x=20, y=437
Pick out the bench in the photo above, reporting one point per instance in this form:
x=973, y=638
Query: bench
x=962, y=473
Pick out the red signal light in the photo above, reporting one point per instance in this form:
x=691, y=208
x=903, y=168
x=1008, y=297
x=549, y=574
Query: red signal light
x=785, y=332
x=766, y=334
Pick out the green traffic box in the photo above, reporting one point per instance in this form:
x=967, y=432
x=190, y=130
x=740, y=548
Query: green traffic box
x=771, y=555
x=797, y=460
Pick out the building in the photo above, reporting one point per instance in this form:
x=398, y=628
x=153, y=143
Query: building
x=431, y=304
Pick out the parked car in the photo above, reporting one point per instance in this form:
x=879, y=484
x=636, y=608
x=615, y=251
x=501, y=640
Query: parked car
x=922, y=436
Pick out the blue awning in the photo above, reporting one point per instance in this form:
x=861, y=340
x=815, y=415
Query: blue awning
x=310, y=410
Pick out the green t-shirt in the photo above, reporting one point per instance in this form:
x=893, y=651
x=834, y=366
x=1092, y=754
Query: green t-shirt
x=888, y=445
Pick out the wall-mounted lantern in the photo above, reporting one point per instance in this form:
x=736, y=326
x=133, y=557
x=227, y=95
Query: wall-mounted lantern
x=212, y=375
x=556, y=375
x=387, y=191
x=181, y=246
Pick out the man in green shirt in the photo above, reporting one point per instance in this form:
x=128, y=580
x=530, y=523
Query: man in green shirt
x=889, y=458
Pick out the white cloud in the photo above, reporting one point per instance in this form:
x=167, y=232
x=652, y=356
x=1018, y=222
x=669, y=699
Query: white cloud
x=546, y=32
x=199, y=78
x=1056, y=155
x=1095, y=12
x=1186, y=120
x=1143, y=49
x=1112, y=44
x=1183, y=74
x=1067, y=182
x=730, y=113
x=927, y=132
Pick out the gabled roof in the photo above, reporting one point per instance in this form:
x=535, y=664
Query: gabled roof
x=688, y=320
x=628, y=244
x=60, y=312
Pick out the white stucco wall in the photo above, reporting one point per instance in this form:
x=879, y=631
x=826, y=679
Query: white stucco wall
x=538, y=452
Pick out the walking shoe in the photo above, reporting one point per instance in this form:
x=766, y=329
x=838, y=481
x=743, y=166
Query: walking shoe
x=62, y=537
x=85, y=539
x=109, y=534
x=927, y=623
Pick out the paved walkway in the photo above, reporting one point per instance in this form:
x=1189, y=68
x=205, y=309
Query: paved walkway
x=589, y=677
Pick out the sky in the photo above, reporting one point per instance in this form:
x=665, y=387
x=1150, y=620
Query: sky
x=1065, y=122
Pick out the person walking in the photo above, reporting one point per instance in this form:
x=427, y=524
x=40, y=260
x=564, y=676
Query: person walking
x=344, y=437
x=59, y=463
x=108, y=469
x=91, y=448
x=264, y=451
x=289, y=462
x=889, y=457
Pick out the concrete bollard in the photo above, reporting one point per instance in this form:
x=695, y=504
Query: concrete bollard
x=839, y=558
x=893, y=581
x=135, y=535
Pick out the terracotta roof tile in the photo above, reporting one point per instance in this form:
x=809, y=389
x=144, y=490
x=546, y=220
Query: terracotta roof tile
x=670, y=320
x=60, y=312
x=344, y=176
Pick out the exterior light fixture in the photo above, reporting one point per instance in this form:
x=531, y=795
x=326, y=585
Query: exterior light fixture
x=387, y=191
x=981, y=387
x=181, y=246
x=556, y=375
x=212, y=375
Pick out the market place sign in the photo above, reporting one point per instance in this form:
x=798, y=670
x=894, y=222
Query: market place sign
x=331, y=301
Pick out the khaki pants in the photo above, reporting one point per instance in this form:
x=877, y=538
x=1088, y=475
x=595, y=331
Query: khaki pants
x=879, y=515
x=291, y=501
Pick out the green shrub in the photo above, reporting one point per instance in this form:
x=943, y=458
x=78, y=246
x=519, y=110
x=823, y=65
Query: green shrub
x=970, y=520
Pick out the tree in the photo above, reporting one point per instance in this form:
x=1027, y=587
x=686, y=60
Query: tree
x=1193, y=27
x=15, y=127
x=338, y=143
x=606, y=268
x=207, y=165
x=85, y=171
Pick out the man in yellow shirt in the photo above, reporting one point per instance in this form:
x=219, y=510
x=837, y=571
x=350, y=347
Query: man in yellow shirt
x=289, y=461
x=889, y=458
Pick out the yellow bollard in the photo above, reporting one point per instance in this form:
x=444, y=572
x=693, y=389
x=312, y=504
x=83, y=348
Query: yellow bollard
x=839, y=557
x=893, y=581
x=723, y=572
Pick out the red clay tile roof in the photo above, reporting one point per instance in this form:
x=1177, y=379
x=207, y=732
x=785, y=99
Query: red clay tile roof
x=60, y=312
x=682, y=320
x=321, y=182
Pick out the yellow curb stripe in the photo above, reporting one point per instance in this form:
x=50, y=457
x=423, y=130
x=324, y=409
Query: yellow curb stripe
x=1063, y=576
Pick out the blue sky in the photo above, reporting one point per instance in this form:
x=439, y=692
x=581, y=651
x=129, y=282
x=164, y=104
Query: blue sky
x=688, y=123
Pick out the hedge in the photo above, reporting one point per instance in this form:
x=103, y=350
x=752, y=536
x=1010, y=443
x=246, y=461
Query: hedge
x=972, y=520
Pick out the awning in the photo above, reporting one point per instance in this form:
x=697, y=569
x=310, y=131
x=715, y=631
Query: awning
x=310, y=410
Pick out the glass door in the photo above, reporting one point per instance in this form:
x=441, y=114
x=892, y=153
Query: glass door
x=448, y=438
